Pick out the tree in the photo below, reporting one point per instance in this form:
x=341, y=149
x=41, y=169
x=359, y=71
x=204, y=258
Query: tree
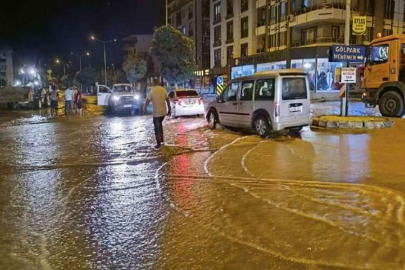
x=87, y=76
x=66, y=80
x=135, y=67
x=113, y=76
x=175, y=52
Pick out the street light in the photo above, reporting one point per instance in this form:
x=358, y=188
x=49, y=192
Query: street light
x=80, y=57
x=105, y=57
x=57, y=61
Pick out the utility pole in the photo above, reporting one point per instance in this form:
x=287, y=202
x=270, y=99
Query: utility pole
x=167, y=14
x=105, y=57
x=345, y=101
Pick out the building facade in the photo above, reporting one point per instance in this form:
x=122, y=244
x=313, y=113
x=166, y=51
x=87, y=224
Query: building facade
x=6, y=67
x=249, y=36
x=192, y=18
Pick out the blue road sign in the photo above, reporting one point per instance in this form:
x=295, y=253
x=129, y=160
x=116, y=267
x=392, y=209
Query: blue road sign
x=342, y=53
x=220, y=80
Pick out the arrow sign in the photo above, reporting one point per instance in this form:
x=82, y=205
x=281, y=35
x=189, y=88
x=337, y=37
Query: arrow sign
x=220, y=80
x=351, y=54
x=349, y=75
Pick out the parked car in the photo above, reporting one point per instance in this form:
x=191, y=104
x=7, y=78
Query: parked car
x=186, y=102
x=120, y=98
x=265, y=102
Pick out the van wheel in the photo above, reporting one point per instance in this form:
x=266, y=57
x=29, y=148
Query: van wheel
x=212, y=119
x=262, y=126
x=391, y=105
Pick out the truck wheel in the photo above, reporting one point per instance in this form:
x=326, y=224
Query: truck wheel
x=11, y=106
x=391, y=104
x=262, y=126
x=37, y=104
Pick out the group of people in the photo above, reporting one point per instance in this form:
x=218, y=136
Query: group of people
x=73, y=100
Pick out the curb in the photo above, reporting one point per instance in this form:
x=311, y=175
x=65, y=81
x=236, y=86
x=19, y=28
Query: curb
x=360, y=123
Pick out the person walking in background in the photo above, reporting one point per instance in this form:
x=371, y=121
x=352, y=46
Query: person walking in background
x=54, y=95
x=161, y=107
x=68, y=100
x=78, y=102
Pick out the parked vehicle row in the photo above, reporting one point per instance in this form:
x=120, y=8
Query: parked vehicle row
x=265, y=102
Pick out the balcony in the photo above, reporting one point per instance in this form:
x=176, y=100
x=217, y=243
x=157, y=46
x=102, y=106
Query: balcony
x=331, y=10
x=319, y=40
x=261, y=30
x=260, y=3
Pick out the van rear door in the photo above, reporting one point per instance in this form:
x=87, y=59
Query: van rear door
x=294, y=98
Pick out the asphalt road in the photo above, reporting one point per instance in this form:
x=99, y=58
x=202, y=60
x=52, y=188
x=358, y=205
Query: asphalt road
x=91, y=192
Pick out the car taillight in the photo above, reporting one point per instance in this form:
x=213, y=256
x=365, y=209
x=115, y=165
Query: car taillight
x=177, y=101
x=200, y=101
x=276, y=109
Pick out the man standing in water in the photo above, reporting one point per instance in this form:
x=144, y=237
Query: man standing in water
x=161, y=108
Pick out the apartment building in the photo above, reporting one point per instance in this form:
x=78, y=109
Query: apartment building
x=192, y=18
x=6, y=66
x=249, y=36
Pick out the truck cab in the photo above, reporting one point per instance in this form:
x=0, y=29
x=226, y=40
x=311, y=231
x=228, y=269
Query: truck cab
x=384, y=76
x=122, y=97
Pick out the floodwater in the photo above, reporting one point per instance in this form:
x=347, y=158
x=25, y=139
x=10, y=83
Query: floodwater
x=93, y=193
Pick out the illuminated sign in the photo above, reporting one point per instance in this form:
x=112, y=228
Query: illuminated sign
x=359, y=25
x=342, y=53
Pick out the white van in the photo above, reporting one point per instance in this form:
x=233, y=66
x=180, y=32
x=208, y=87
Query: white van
x=265, y=102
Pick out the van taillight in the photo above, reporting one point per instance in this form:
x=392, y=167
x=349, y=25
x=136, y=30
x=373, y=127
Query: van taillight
x=276, y=109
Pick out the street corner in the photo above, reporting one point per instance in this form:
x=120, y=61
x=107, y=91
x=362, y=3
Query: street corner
x=351, y=122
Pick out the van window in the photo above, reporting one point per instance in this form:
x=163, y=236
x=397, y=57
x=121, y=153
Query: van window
x=294, y=88
x=247, y=90
x=264, y=89
x=379, y=54
x=230, y=92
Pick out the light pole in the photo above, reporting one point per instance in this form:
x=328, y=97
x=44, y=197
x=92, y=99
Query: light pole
x=80, y=57
x=57, y=61
x=105, y=56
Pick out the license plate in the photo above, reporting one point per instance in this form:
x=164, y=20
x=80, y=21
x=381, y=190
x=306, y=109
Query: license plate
x=128, y=106
x=190, y=102
x=296, y=109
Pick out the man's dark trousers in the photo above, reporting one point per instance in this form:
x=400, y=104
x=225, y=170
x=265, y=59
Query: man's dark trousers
x=157, y=122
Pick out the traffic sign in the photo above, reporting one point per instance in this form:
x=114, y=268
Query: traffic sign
x=220, y=80
x=342, y=53
x=349, y=75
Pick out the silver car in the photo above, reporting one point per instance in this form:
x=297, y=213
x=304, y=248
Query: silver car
x=265, y=102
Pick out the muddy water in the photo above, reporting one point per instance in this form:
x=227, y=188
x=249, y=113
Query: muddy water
x=92, y=193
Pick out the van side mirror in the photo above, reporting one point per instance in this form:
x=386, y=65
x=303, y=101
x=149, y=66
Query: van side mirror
x=218, y=98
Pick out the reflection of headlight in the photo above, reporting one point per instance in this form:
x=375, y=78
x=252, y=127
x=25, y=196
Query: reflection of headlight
x=136, y=97
x=116, y=98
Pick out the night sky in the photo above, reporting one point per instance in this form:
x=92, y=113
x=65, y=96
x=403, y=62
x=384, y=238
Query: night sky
x=53, y=29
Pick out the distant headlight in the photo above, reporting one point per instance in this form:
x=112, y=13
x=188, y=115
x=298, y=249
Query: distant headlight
x=116, y=98
x=137, y=97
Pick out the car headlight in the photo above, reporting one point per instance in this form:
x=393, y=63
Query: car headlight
x=137, y=97
x=116, y=98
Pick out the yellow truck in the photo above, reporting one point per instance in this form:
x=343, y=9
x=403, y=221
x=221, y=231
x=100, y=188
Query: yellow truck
x=384, y=75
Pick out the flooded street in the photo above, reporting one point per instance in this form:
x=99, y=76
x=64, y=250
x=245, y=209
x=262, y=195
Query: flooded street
x=93, y=193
